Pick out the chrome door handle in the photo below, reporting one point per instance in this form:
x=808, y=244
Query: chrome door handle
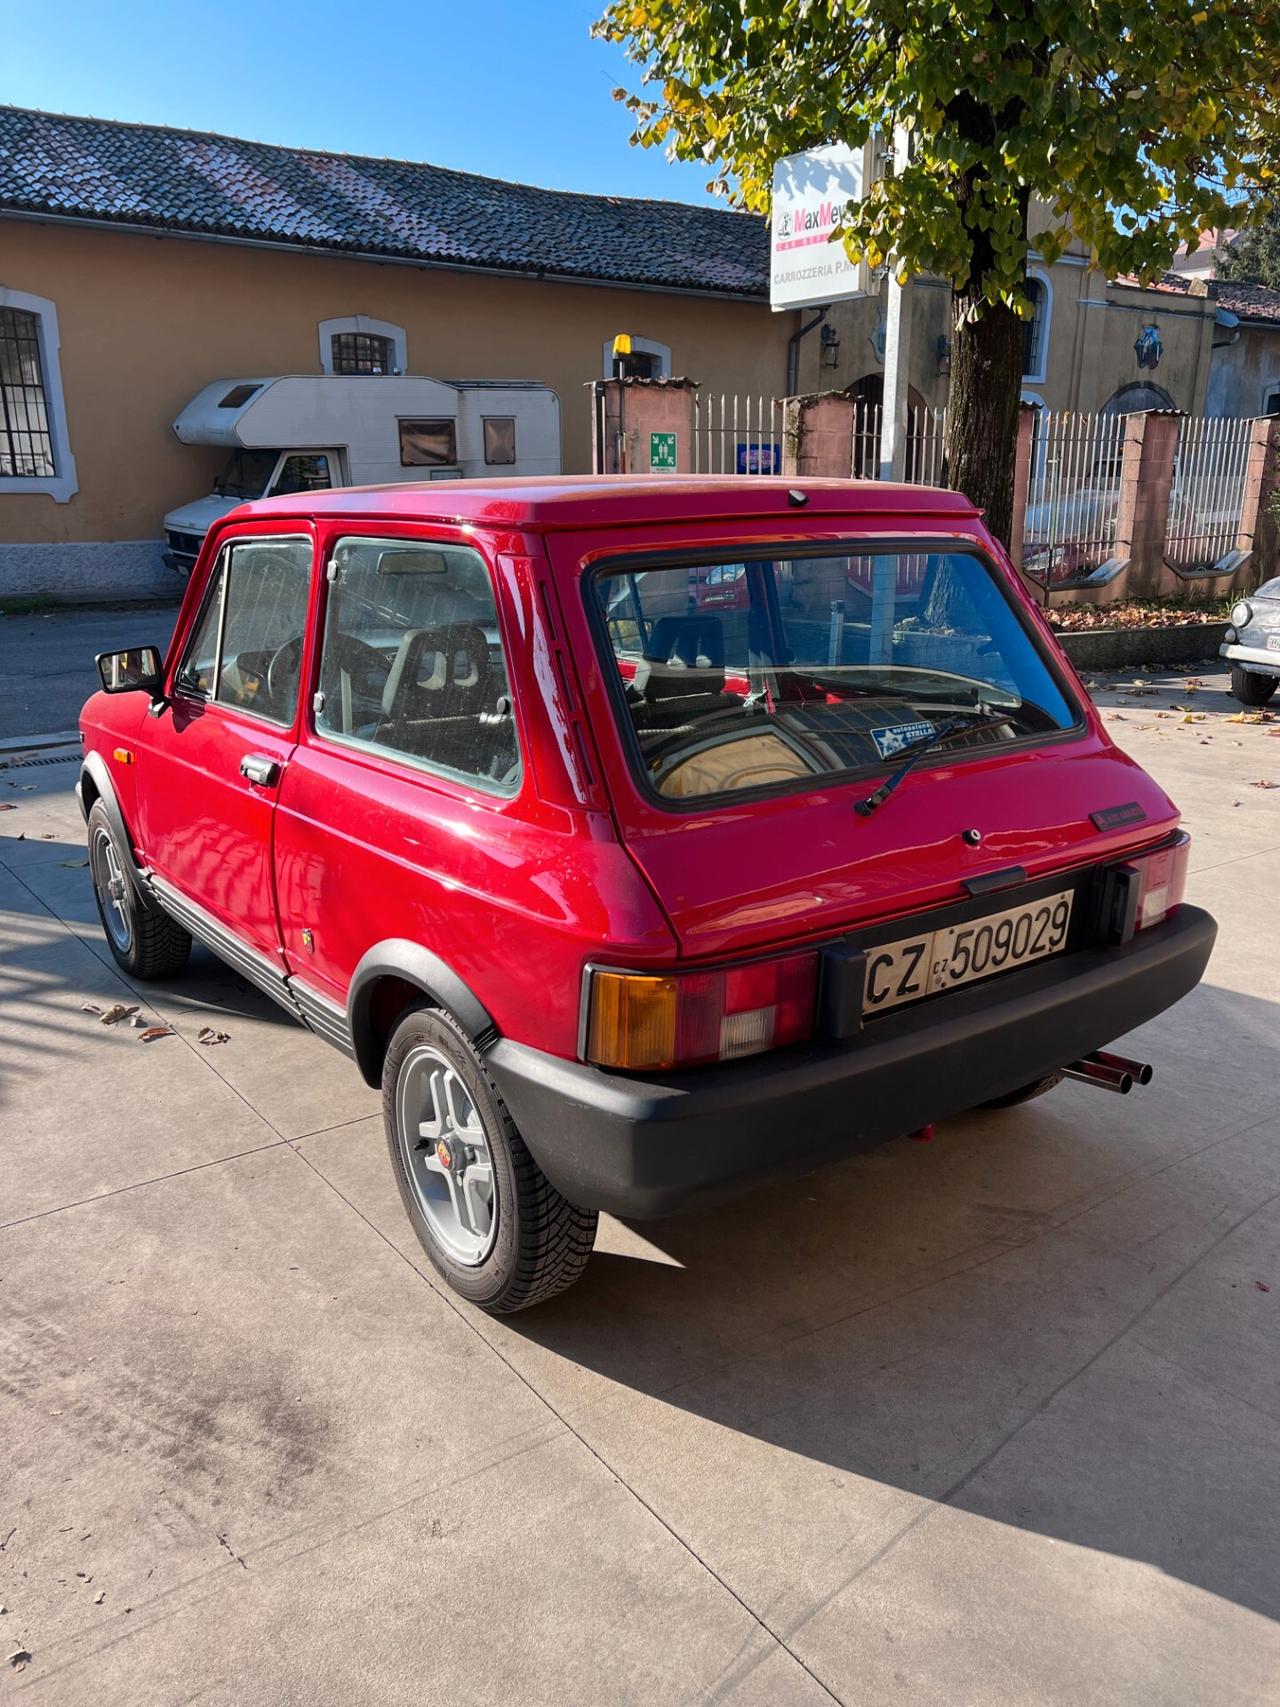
x=261, y=771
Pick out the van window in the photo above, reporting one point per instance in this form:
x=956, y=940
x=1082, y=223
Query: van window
x=428, y=444
x=753, y=674
x=412, y=664
x=303, y=473
x=246, y=647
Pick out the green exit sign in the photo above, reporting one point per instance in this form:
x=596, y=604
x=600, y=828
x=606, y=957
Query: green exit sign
x=662, y=452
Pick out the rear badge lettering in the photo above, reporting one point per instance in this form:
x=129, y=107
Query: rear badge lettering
x=1114, y=817
x=899, y=735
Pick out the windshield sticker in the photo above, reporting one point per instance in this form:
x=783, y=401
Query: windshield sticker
x=899, y=735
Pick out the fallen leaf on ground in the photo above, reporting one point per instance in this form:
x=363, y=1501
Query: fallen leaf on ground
x=100, y=1597
x=116, y=1012
x=207, y=1034
x=90, y=1008
x=1193, y=717
x=137, y=1021
x=1116, y=717
x=1264, y=782
x=72, y=864
x=1262, y=1286
x=154, y=1031
x=8, y=806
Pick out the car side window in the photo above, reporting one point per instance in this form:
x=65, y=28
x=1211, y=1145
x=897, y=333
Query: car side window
x=412, y=664
x=246, y=647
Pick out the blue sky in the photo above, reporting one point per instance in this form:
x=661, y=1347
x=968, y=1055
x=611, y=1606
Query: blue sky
x=513, y=90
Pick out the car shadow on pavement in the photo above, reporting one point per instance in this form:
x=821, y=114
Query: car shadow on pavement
x=1063, y=1317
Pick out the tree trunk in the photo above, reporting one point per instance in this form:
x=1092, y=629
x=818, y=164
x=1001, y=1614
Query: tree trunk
x=982, y=408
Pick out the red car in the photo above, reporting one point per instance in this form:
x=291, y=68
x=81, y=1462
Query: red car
x=628, y=895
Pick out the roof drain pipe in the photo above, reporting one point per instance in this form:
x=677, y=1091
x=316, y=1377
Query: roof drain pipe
x=793, y=348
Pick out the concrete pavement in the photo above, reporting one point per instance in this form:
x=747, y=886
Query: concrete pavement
x=991, y=1420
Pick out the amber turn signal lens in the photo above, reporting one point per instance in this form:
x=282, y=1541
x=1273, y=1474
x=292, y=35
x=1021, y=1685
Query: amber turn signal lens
x=641, y=1021
x=633, y=1021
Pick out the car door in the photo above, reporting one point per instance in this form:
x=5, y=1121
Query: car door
x=400, y=816
x=211, y=761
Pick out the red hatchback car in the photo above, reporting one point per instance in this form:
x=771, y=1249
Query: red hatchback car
x=639, y=837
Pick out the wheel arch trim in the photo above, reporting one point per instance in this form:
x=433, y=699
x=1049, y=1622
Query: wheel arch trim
x=411, y=963
x=94, y=770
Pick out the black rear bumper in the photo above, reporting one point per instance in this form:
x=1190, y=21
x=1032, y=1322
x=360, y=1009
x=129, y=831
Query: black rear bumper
x=653, y=1146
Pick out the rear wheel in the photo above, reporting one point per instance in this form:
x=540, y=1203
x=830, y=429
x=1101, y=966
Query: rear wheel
x=144, y=942
x=493, y=1225
x=1250, y=688
x=1011, y=1099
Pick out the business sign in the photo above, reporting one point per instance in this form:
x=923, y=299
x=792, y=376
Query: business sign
x=662, y=452
x=810, y=191
x=765, y=458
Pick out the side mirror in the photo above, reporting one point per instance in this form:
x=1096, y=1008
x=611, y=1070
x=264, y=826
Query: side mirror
x=136, y=670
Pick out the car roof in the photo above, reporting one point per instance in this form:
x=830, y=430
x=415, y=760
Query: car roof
x=602, y=500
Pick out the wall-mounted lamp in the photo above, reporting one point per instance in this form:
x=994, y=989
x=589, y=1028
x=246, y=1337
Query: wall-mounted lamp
x=944, y=354
x=829, y=355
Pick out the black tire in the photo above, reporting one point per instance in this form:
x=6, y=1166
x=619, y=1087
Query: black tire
x=541, y=1241
x=144, y=942
x=1250, y=688
x=1011, y=1099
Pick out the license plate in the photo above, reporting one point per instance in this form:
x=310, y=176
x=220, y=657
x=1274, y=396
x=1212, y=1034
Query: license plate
x=930, y=961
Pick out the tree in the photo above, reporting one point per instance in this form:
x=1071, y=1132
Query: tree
x=1254, y=257
x=1135, y=122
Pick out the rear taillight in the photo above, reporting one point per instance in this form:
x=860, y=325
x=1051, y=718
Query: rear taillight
x=641, y=1021
x=1162, y=881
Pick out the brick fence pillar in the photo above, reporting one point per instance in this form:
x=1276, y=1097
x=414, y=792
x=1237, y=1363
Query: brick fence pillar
x=1259, y=533
x=1024, y=447
x=817, y=435
x=1142, y=515
x=643, y=426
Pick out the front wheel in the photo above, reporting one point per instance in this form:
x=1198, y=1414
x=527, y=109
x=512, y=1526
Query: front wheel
x=144, y=942
x=494, y=1226
x=1250, y=688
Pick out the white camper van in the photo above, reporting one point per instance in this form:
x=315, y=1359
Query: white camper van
x=303, y=431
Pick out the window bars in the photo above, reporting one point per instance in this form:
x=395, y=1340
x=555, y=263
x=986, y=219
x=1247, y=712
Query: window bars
x=361, y=352
x=1207, y=495
x=26, y=440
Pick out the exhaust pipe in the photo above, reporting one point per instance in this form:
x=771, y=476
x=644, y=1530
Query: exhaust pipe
x=1091, y=1071
x=1110, y=1072
x=1143, y=1072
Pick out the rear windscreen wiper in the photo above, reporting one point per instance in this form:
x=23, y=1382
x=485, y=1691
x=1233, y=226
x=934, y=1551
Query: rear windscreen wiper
x=914, y=751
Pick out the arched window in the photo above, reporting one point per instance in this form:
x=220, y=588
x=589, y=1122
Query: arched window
x=648, y=359
x=35, y=454
x=358, y=344
x=1035, y=345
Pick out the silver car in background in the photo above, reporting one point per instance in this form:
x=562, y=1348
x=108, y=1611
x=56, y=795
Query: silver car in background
x=1252, y=644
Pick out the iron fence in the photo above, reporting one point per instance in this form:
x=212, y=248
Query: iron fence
x=1207, y=495
x=737, y=433
x=1073, y=496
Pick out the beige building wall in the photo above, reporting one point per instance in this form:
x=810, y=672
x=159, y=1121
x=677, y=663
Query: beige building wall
x=1093, y=326
x=146, y=321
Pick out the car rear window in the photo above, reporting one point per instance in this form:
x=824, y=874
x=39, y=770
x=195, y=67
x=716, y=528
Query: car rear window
x=767, y=673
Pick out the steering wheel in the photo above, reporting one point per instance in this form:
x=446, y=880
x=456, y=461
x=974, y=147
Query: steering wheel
x=282, y=671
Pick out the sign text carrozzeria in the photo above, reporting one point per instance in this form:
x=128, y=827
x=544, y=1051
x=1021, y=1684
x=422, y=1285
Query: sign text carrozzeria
x=810, y=191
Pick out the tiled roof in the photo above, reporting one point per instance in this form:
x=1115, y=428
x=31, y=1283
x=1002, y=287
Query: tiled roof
x=194, y=182
x=1249, y=301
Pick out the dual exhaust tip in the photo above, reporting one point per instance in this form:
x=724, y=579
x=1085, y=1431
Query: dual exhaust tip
x=1110, y=1072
